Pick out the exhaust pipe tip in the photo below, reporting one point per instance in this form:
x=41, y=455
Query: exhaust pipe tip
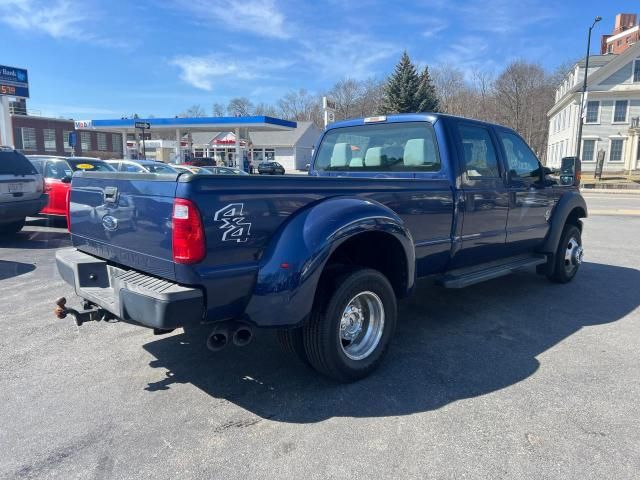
x=217, y=340
x=242, y=337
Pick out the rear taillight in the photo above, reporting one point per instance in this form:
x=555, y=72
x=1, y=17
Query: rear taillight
x=188, y=232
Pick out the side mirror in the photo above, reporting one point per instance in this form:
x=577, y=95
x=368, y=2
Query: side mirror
x=307, y=167
x=570, y=171
x=66, y=179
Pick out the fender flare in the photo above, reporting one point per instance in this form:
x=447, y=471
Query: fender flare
x=569, y=203
x=291, y=266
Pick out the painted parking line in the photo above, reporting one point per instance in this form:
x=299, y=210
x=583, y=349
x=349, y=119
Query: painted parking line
x=615, y=211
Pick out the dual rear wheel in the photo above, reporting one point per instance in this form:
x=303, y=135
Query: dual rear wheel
x=350, y=329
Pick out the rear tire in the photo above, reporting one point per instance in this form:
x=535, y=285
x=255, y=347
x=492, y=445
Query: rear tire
x=292, y=341
x=568, y=257
x=347, y=336
x=13, y=227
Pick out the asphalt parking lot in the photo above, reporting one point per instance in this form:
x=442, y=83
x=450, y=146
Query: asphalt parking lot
x=514, y=378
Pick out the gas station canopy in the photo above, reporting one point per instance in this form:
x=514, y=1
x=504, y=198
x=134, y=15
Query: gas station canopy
x=181, y=125
x=191, y=124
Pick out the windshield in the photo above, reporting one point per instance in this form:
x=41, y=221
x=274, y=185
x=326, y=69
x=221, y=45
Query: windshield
x=406, y=146
x=91, y=165
x=229, y=171
x=158, y=168
x=12, y=162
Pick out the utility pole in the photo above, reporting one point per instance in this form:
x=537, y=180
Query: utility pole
x=584, y=89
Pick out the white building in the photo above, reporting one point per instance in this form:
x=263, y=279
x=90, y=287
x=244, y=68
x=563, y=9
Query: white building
x=291, y=148
x=611, y=116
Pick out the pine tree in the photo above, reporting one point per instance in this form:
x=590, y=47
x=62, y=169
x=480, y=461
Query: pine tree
x=406, y=91
x=402, y=85
x=427, y=97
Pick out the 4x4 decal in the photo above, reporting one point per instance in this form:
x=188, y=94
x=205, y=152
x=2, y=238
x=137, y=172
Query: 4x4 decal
x=233, y=223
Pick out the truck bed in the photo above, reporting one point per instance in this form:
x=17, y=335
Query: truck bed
x=136, y=232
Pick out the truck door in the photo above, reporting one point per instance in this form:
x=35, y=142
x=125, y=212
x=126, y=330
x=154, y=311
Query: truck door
x=530, y=202
x=485, y=204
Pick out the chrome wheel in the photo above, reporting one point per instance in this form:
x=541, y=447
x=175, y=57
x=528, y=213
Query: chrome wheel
x=361, y=325
x=573, y=255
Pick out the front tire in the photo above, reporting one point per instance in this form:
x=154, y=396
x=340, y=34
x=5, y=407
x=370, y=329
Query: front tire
x=347, y=337
x=568, y=257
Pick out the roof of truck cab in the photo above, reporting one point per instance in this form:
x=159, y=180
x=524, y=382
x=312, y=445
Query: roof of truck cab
x=406, y=117
x=397, y=118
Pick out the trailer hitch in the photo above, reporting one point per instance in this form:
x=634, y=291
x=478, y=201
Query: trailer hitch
x=89, y=313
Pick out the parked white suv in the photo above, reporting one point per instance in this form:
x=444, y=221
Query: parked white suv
x=21, y=190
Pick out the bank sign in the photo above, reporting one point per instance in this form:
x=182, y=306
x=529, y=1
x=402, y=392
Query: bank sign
x=14, y=82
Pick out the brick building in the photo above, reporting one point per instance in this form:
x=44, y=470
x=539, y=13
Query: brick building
x=50, y=136
x=626, y=32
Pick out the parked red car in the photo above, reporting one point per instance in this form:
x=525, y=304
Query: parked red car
x=57, y=172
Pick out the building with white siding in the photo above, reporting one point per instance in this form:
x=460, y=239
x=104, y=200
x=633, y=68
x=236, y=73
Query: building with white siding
x=292, y=148
x=611, y=116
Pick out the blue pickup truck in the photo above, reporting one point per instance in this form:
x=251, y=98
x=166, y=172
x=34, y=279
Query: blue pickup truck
x=322, y=258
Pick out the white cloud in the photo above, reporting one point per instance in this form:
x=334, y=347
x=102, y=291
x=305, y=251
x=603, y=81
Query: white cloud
x=71, y=111
x=504, y=17
x=58, y=19
x=200, y=72
x=468, y=53
x=433, y=27
x=338, y=54
x=260, y=17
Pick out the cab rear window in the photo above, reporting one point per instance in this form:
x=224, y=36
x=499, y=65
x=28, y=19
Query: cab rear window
x=15, y=163
x=406, y=146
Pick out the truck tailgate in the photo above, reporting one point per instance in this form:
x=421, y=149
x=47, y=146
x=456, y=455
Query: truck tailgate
x=125, y=218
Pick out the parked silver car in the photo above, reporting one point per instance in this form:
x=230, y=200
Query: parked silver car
x=21, y=190
x=141, y=166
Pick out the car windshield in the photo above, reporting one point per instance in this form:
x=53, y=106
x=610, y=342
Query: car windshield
x=90, y=165
x=229, y=171
x=406, y=146
x=158, y=168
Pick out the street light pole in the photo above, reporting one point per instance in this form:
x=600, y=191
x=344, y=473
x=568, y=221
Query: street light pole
x=584, y=89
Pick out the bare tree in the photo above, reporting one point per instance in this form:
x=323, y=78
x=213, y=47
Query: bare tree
x=347, y=94
x=452, y=89
x=371, y=98
x=193, y=111
x=217, y=109
x=265, y=109
x=240, y=107
x=524, y=94
x=299, y=105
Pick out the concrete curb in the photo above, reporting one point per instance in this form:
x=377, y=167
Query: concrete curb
x=611, y=191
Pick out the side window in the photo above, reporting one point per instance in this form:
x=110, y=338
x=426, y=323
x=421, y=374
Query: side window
x=520, y=159
x=480, y=159
x=127, y=167
x=57, y=170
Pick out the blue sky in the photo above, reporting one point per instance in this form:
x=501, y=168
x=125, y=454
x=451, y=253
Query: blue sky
x=96, y=59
